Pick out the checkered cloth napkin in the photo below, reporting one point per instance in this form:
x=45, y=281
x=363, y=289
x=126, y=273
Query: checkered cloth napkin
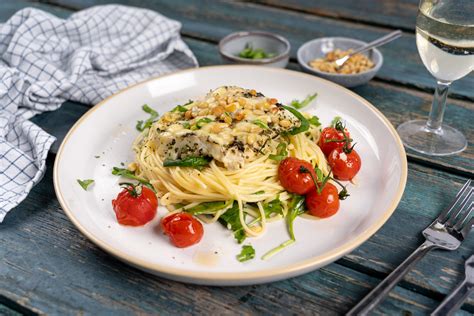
x=45, y=60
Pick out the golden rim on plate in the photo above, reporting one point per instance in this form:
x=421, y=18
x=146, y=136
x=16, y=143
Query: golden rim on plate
x=240, y=277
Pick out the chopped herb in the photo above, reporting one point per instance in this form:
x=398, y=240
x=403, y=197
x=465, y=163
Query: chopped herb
x=182, y=108
x=314, y=120
x=273, y=207
x=304, y=126
x=231, y=220
x=246, y=254
x=299, y=105
x=186, y=125
x=85, y=183
x=335, y=120
x=259, y=192
x=201, y=122
x=208, y=207
x=141, y=125
x=97, y=157
x=260, y=124
x=250, y=53
x=194, y=162
x=122, y=164
x=122, y=172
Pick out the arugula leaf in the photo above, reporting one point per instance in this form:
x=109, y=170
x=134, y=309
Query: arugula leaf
x=231, y=220
x=194, y=162
x=296, y=208
x=281, y=153
x=141, y=126
x=259, y=192
x=122, y=172
x=85, y=183
x=335, y=120
x=250, y=53
x=299, y=105
x=314, y=120
x=304, y=126
x=182, y=108
x=246, y=254
x=273, y=207
x=260, y=124
x=208, y=207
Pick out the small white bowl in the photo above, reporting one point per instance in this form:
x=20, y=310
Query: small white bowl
x=319, y=47
x=231, y=45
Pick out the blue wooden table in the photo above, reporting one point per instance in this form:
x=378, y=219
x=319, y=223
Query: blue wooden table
x=47, y=266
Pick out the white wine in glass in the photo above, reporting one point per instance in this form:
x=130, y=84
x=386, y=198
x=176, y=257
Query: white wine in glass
x=445, y=41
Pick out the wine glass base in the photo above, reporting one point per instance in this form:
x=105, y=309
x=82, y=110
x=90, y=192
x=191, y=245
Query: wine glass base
x=442, y=142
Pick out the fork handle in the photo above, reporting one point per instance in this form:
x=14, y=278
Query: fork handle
x=454, y=301
x=372, y=299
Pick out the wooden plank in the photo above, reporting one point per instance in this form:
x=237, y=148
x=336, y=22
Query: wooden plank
x=428, y=191
x=402, y=64
x=6, y=311
x=47, y=264
x=62, y=224
x=8, y=8
x=398, y=104
x=392, y=13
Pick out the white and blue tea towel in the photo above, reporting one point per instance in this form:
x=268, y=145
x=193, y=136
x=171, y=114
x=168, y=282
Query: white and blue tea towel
x=45, y=60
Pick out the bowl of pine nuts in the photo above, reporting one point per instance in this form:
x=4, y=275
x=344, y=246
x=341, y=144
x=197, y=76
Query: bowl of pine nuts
x=317, y=57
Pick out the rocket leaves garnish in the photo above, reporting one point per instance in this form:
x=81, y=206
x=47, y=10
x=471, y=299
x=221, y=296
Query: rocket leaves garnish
x=246, y=254
x=281, y=153
x=304, y=123
x=85, y=183
x=193, y=162
x=122, y=172
x=231, y=220
x=299, y=105
x=142, y=125
x=182, y=108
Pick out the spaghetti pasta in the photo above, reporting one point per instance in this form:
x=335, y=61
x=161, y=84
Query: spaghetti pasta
x=242, y=132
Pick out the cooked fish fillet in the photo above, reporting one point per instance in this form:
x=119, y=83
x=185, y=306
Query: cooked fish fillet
x=232, y=125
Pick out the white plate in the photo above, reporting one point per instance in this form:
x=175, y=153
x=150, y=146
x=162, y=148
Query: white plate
x=108, y=130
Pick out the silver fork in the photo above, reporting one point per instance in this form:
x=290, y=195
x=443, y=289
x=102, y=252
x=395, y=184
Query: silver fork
x=446, y=232
x=454, y=300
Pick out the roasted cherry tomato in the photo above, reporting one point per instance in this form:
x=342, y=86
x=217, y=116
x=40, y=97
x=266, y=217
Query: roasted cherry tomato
x=331, y=139
x=344, y=165
x=293, y=177
x=135, y=205
x=323, y=204
x=182, y=229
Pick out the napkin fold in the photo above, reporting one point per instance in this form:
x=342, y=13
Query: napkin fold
x=45, y=60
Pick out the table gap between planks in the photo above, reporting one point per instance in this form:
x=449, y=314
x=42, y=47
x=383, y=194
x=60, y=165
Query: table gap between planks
x=48, y=267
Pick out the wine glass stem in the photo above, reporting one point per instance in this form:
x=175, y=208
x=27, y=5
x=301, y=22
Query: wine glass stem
x=435, y=119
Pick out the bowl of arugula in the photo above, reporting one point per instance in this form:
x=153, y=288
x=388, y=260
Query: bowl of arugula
x=255, y=48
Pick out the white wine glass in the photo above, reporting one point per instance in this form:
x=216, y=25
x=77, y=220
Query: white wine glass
x=445, y=41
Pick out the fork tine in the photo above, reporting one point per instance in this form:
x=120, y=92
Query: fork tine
x=461, y=207
x=444, y=215
x=463, y=218
x=467, y=228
